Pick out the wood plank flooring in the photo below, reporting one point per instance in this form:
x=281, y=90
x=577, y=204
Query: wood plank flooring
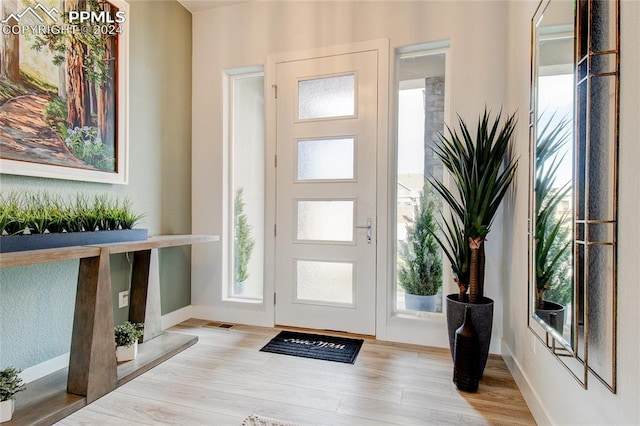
x=224, y=378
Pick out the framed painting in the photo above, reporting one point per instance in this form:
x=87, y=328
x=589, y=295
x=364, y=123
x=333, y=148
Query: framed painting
x=64, y=89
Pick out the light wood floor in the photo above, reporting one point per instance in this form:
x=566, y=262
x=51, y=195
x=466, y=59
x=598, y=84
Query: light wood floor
x=224, y=378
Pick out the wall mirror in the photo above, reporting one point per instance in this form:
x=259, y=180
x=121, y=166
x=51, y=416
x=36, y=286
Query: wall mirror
x=573, y=133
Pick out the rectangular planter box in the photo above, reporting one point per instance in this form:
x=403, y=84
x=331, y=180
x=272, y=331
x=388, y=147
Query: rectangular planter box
x=66, y=239
x=124, y=353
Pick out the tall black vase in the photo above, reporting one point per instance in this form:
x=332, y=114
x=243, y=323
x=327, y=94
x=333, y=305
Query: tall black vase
x=466, y=350
x=482, y=320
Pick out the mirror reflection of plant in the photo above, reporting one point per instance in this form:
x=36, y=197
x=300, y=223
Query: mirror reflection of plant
x=243, y=241
x=25, y=212
x=552, y=231
x=420, y=269
x=561, y=289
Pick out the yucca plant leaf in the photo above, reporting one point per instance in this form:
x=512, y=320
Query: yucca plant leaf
x=481, y=170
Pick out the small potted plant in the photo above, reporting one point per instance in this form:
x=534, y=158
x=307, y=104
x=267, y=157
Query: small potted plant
x=420, y=269
x=10, y=385
x=127, y=335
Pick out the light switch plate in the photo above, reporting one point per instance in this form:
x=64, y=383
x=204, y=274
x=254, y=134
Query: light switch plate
x=123, y=299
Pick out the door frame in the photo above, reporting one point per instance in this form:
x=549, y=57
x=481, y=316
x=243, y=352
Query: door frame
x=381, y=47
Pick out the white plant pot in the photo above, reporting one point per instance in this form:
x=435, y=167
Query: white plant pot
x=124, y=353
x=415, y=302
x=6, y=410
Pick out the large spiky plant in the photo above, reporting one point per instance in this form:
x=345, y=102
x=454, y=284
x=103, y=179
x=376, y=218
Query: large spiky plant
x=551, y=235
x=481, y=169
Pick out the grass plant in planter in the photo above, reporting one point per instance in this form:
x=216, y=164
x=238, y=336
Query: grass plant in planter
x=126, y=337
x=420, y=268
x=243, y=244
x=552, y=230
x=481, y=169
x=10, y=385
x=30, y=221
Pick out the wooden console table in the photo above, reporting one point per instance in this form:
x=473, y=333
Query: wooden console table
x=93, y=371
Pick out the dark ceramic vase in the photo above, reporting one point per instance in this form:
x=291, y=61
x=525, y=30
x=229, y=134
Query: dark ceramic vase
x=481, y=315
x=465, y=355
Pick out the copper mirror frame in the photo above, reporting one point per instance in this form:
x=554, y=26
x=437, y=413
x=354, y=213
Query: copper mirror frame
x=582, y=332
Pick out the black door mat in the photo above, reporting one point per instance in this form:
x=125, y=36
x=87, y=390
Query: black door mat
x=316, y=346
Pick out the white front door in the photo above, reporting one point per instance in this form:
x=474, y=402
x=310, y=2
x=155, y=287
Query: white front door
x=327, y=112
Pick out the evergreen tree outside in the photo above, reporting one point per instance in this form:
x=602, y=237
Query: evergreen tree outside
x=243, y=241
x=420, y=266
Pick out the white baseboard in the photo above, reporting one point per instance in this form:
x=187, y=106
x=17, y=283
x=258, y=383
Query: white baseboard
x=530, y=395
x=251, y=314
x=45, y=368
x=176, y=317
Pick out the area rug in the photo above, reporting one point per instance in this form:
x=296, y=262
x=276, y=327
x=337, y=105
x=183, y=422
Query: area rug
x=306, y=345
x=254, y=420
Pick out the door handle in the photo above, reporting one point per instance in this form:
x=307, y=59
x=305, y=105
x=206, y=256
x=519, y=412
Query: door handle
x=368, y=228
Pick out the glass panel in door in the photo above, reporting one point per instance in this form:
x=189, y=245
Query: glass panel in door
x=326, y=97
x=320, y=159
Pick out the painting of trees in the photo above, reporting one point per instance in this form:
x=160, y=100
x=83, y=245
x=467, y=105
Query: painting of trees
x=64, y=110
x=77, y=85
x=10, y=43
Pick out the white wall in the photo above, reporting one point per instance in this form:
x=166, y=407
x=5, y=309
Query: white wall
x=245, y=34
x=554, y=396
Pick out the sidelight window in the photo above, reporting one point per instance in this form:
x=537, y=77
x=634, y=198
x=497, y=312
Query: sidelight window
x=246, y=196
x=420, y=118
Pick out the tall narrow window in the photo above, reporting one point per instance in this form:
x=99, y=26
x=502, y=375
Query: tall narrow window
x=246, y=186
x=421, y=109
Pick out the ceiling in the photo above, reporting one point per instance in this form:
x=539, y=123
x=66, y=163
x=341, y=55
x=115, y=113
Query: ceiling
x=198, y=5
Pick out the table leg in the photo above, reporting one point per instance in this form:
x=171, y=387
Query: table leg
x=145, y=293
x=92, y=364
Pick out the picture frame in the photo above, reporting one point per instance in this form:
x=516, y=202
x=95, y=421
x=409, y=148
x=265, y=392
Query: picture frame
x=81, y=132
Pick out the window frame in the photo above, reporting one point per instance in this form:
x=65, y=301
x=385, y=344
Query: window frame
x=229, y=79
x=417, y=50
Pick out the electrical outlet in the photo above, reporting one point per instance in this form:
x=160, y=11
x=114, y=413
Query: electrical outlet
x=123, y=299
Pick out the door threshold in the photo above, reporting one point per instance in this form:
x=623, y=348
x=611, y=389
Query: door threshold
x=326, y=332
